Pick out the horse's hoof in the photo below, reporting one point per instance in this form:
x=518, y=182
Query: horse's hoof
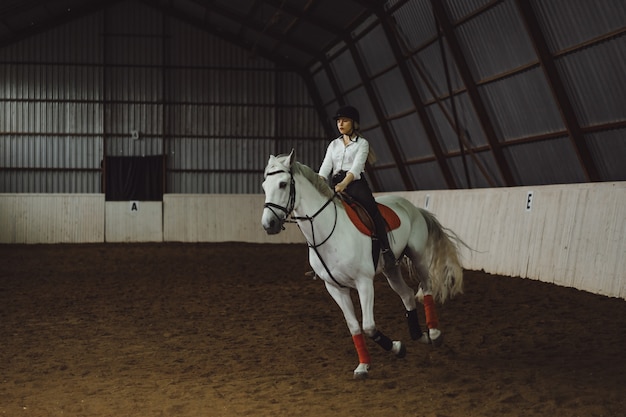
x=361, y=371
x=437, y=338
x=398, y=349
x=432, y=337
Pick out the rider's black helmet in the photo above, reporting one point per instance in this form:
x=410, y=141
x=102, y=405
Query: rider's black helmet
x=349, y=112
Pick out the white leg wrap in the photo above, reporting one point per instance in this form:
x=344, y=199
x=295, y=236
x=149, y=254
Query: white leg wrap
x=361, y=371
x=432, y=337
x=434, y=334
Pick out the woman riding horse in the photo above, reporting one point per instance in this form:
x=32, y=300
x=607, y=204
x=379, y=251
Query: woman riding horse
x=345, y=159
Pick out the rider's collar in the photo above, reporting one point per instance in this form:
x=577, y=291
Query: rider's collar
x=352, y=139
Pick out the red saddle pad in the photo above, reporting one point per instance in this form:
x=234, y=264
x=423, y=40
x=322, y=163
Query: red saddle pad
x=390, y=216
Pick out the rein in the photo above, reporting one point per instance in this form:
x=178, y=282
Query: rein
x=315, y=246
x=311, y=218
x=293, y=219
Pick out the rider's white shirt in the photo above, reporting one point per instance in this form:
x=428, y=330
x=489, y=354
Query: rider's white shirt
x=351, y=157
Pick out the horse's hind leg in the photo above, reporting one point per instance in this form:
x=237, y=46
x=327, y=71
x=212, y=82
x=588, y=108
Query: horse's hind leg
x=434, y=335
x=399, y=285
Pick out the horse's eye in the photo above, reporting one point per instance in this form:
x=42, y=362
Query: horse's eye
x=282, y=185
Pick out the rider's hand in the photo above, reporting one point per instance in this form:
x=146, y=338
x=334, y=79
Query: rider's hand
x=340, y=187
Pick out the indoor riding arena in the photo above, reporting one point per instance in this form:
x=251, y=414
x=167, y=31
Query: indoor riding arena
x=179, y=191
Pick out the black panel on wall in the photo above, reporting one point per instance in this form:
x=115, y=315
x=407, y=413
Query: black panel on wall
x=134, y=178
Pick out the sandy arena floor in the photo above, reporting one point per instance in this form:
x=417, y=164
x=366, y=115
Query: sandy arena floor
x=237, y=330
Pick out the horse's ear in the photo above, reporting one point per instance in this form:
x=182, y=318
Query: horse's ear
x=292, y=156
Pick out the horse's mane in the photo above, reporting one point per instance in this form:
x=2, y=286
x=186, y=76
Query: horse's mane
x=318, y=182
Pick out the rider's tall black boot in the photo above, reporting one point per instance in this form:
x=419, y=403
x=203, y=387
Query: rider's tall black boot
x=381, y=233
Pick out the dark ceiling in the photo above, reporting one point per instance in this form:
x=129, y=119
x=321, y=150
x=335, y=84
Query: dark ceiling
x=292, y=33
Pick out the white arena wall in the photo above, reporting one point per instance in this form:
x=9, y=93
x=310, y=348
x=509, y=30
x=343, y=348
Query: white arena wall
x=571, y=235
x=51, y=218
x=220, y=218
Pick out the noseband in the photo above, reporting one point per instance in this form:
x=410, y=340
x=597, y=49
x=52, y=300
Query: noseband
x=290, y=203
x=290, y=206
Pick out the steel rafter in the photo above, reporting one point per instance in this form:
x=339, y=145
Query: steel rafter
x=441, y=14
x=392, y=37
x=200, y=23
x=384, y=125
x=559, y=93
x=265, y=29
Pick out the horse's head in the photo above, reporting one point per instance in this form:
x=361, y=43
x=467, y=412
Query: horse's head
x=280, y=193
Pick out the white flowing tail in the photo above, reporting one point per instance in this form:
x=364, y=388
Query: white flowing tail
x=441, y=258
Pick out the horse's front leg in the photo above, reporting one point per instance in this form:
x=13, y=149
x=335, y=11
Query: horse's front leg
x=399, y=285
x=365, y=288
x=344, y=301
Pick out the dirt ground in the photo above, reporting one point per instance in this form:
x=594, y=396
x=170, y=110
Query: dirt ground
x=238, y=330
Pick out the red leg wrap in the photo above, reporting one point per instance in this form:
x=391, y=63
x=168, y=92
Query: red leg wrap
x=432, y=321
x=361, y=348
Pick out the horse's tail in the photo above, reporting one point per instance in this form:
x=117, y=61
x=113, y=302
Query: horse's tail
x=441, y=256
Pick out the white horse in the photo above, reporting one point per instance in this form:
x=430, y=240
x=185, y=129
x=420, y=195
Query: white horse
x=341, y=255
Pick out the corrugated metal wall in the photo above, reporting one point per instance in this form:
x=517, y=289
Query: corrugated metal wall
x=495, y=85
x=76, y=94
x=51, y=112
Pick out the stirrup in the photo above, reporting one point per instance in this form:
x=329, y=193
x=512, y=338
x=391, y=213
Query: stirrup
x=390, y=259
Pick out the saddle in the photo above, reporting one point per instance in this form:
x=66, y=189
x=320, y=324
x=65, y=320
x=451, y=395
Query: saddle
x=363, y=221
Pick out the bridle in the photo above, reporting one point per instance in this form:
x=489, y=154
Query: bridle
x=294, y=219
x=288, y=210
x=290, y=202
